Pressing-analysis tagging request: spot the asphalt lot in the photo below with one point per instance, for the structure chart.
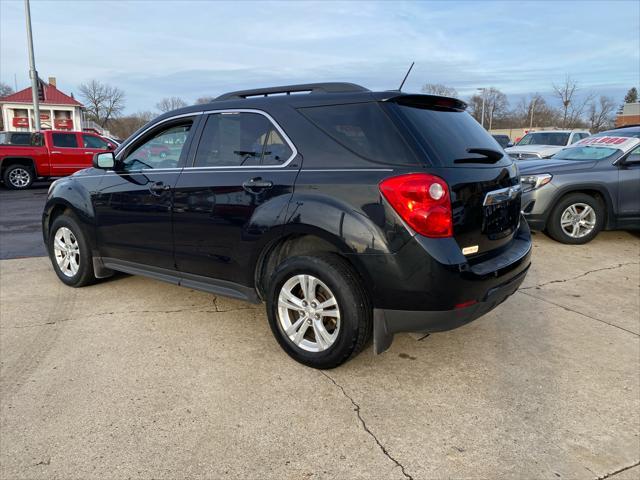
(133, 378)
(20, 221)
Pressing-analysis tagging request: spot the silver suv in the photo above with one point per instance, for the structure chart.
(545, 143)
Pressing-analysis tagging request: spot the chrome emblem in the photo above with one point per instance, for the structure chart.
(502, 195)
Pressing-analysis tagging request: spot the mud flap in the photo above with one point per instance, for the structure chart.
(382, 338)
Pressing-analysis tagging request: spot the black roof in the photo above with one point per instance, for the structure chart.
(312, 94)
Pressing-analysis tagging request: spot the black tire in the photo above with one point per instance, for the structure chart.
(554, 226)
(18, 177)
(352, 302)
(84, 275)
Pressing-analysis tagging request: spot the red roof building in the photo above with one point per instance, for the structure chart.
(58, 110)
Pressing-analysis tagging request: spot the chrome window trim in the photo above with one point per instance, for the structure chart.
(280, 130)
(286, 138)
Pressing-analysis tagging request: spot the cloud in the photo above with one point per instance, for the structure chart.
(190, 49)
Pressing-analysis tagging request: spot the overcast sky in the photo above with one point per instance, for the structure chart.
(156, 49)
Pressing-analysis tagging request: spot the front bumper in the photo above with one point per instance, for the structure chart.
(388, 322)
(537, 204)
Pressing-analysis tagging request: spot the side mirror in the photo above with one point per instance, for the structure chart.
(110, 147)
(510, 144)
(104, 160)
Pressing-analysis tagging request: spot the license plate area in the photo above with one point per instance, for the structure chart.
(501, 219)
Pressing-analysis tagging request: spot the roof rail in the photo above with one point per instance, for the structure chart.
(329, 87)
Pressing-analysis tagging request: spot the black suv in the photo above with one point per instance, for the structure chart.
(351, 213)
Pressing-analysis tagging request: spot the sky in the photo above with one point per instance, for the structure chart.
(155, 49)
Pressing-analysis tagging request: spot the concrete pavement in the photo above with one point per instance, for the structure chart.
(133, 378)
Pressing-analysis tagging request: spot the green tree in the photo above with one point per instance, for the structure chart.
(631, 96)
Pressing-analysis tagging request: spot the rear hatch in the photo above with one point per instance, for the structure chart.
(483, 180)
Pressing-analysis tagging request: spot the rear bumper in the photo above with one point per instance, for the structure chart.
(388, 322)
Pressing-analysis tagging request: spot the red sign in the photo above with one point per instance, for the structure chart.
(63, 123)
(44, 116)
(20, 122)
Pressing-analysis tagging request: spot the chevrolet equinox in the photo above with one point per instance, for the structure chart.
(352, 214)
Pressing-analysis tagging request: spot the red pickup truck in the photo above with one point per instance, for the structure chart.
(26, 156)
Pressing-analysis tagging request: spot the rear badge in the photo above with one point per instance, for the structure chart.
(470, 250)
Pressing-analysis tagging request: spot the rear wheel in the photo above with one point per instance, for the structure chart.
(18, 177)
(576, 219)
(70, 252)
(318, 310)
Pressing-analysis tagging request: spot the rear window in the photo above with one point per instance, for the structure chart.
(447, 135)
(363, 128)
(545, 138)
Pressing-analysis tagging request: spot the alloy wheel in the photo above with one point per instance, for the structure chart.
(578, 220)
(19, 177)
(66, 251)
(308, 313)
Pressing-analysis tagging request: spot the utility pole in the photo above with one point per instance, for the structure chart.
(32, 67)
(533, 107)
(483, 100)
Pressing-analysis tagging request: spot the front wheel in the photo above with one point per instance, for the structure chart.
(70, 252)
(576, 219)
(318, 310)
(18, 177)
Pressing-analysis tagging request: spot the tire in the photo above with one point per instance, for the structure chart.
(67, 227)
(348, 330)
(570, 209)
(18, 177)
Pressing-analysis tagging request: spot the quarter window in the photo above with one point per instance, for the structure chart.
(94, 142)
(161, 150)
(364, 129)
(240, 139)
(65, 140)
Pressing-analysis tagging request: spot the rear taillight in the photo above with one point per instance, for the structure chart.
(422, 201)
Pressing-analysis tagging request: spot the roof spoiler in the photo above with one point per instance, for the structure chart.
(428, 101)
(329, 87)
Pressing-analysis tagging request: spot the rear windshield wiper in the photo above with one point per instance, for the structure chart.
(488, 156)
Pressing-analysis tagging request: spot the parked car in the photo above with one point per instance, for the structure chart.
(351, 213)
(590, 186)
(503, 140)
(46, 154)
(544, 144)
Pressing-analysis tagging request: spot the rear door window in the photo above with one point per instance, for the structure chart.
(94, 142)
(241, 139)
(65, 140)
(363, 128)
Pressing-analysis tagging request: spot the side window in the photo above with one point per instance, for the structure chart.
(363, 128)
(160, 150)
(634, 156)
(93, 142)
(65, 140)
(240, 139)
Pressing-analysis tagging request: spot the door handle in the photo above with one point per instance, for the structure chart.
(88, 153)
(55, 151)
(159, 187)
(256, 183)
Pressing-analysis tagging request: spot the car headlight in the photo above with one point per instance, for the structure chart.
(531, 182)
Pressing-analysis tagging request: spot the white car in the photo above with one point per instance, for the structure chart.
(544, 144)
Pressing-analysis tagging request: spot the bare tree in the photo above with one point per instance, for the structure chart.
(474, 107)
(170, 103)
(572, 106)
(122, 127)
(535, 111)
(204, 100)
(439, 89)
(103, 101)
(600, 113)
(5, 89)
(496, 104)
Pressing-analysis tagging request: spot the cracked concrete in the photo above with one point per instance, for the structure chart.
(132, 378)
(366, 429)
